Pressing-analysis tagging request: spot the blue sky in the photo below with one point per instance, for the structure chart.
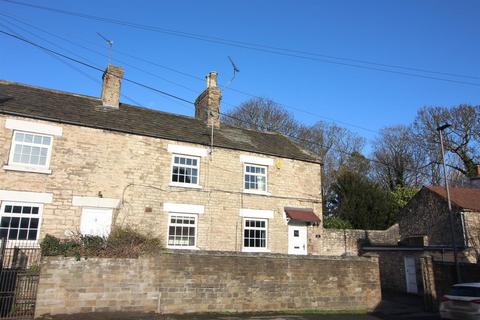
(430, 34)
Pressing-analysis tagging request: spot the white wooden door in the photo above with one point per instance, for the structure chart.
(410, 274)
(96, 222)
(297, 239)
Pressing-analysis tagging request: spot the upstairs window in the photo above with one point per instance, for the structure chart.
(255, 178)
(30, 150)
(20, 221)
(185, 170)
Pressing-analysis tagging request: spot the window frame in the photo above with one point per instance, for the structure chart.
(255, 249)
(28, 166)
(169, 224)
(185, 184)
(255, 191)
(23, 204)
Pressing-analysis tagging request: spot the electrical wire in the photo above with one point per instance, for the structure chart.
(263, 48)
(91, 50)
(187, 75)
(182, 73)
(192, 103)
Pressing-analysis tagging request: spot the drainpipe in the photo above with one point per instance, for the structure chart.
(464, 231)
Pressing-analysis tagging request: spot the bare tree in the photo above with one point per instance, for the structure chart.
(333, 144)
(462, 140)
(398, 160)
(263, 115)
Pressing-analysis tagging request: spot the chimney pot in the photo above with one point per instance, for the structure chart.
(112, 79)
(212, 79)
(207, 105)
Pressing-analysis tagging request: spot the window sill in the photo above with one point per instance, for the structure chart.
(261, 193)
(259, 250)
(26, 169)
(185, 185)
(182, 247)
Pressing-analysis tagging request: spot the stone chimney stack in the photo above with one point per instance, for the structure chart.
(475, 181)
(112, 79)
(207, 105)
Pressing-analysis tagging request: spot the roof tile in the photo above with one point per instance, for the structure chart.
(40, 103)
(466, 198)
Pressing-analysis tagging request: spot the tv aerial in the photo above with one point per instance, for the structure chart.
(109, 44)
(235, 71)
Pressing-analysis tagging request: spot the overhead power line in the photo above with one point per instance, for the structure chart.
(248, 94)
(95, 68)
(360, 64)
(187, 101)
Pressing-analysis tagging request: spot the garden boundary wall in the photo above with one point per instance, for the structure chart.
(191, 282)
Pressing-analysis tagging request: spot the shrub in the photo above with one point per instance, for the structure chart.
(121, 243)
(336, 223)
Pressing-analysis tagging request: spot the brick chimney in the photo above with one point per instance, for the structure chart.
(475, 181)
(207, 105)
(112, 79)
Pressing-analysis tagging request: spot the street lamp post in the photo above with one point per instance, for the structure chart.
(440, 130)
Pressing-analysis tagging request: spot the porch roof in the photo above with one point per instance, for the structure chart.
(300, 214)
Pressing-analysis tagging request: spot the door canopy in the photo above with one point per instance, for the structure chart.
(302, 215)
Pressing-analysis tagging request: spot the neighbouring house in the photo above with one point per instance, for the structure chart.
(425, 230)
(426, 215)
(74, 163)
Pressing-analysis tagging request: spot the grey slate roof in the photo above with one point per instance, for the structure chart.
(63, 107)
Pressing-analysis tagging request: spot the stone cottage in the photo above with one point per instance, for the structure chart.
(425, 230)
(426, 216)
(74, 163)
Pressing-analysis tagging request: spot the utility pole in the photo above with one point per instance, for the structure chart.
(440, 130)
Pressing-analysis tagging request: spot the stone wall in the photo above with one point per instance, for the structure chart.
(392, 264)
(392, 269)
(136, 171)
(336, 242)
(472, 233)
(445, 275)
(427, 214)
(187, 282)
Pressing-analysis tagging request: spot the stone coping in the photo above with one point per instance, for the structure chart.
(240, 255)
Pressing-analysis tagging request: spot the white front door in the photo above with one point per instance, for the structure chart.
(410, 274)
(297, 239)
(96, 222)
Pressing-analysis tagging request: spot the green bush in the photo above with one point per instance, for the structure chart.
(336, 223)
(121, 243)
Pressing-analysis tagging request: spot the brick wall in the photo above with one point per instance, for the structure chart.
(185, 282)
(336, 242)
(137, 170)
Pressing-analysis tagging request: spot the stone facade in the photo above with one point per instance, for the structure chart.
(336, 242)
(188, 282)
(427, 214)
(134, 172)
(472, 235)
(112, 79)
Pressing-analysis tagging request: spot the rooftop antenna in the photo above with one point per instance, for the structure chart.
(235, 71)
(110, 44)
